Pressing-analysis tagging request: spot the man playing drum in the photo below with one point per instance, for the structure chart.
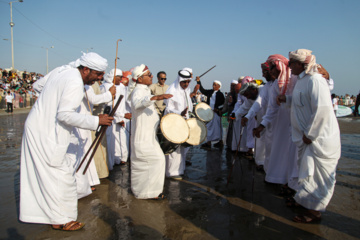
(181, 104)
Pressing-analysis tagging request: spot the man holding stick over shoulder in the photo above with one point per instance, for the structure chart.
(47, 183)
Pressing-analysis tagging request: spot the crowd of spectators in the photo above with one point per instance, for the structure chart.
(19, 83)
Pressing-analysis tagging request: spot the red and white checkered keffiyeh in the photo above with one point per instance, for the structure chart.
(281, 64)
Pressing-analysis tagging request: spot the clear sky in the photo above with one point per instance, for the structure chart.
(168, 35)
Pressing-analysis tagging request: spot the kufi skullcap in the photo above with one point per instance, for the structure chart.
(240, 78)
(218, 82)
(234, 82)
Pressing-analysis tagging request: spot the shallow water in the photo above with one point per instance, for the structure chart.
(202, 206)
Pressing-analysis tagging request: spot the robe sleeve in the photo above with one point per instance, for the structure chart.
(38, 85)
(273, 107)
(171, 107)
(69, 102)
(96, 99)
(258, 104)
(120, 112)
(141, 100)
(321, 108)
(238, 103)
(244, 108)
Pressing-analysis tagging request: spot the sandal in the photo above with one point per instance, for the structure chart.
(93, 189)
(290, 202)
(308, 217)
(285, 191)
(260, 168)
(70, 226)
(159, 198)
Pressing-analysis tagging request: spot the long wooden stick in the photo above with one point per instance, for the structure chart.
(207, 71)
(117, 47)
(102, 132)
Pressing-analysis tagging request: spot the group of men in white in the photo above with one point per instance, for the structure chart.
(292, 127)
(297, 135)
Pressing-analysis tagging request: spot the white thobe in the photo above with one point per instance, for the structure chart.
(258, 109)
(113, 131)
(47, 184)
(80, 142)
(214, 127)
(124, 132)
(242, 111)
(175, 161)
(147, 158)
(312, 115)
(279, 166)
(239, 132)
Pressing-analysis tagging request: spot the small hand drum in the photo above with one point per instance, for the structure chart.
(198, 132)
(173, 131)
(204, 112)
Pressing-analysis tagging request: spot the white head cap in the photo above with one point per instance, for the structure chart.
(218, 82)
(110, 76)
(139, 71)
(93, 61)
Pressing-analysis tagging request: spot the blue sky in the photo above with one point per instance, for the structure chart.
(237, 36)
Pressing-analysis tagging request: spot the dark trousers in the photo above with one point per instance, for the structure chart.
(9, 106)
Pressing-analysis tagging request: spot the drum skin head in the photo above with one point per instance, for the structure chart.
(198, 131)
(174, 128)
(204, 112)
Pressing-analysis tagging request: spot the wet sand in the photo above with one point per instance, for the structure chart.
(201, 206)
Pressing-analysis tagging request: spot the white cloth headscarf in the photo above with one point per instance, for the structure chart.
(93, 61)
(305, 56)
(138, 71)
(188, 69)
(109, 78)
(175, 89)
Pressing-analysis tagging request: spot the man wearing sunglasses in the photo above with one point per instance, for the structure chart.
(159, 88)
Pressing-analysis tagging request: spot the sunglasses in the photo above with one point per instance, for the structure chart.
(149, 75)
(162, 78)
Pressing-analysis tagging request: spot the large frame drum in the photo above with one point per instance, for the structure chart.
(204, 112)
(198, 132)
(173, 131)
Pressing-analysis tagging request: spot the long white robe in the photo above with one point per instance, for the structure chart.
(312, 115)
(113, 131)
(81, 141)
(258, 109)
(214, 127)
(47, 183)
(124, 132)
(242, 111)
(147, 158)
(239, 132)
(175, 161)
(281, 159)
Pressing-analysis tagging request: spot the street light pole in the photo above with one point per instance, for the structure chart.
(12, 24)
(47, 59)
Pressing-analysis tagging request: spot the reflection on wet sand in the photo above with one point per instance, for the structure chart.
(199, 207)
